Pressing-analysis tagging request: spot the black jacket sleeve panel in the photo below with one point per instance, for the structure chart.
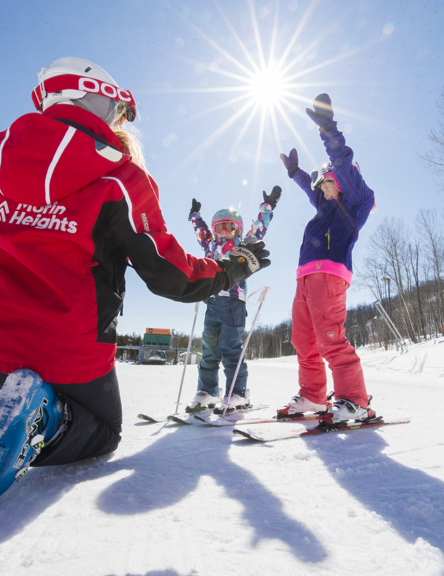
(161, 276)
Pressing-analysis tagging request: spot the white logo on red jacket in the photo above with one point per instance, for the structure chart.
(43, 218)
(145, 222)
(4, 210)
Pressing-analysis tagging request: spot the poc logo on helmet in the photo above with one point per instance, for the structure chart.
(96, 87)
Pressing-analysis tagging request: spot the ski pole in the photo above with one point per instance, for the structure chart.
(196, 309)
(260, 301)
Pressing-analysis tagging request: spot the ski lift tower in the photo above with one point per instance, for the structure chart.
(387, 283)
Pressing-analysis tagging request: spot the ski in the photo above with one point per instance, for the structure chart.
(230, 418)
(150, 419)
(181, 418)
(259, 435)
(239, 419)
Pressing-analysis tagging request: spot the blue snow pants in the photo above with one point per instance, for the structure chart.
(221, 340)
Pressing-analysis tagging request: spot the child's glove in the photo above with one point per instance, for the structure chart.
(244, 260)
(274, 197)
(323, 112)
(195, 207)
(291, 162)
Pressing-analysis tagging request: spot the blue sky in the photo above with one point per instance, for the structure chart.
(185, 63)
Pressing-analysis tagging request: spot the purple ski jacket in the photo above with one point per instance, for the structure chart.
(331, 234)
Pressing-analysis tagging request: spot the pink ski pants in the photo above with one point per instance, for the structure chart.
(319, 313)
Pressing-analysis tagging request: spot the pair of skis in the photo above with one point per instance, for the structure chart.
(207, 417)
(258, 429)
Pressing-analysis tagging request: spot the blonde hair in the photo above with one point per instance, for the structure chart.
(131, 141)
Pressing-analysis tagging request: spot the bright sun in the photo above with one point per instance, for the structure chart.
(267, 87)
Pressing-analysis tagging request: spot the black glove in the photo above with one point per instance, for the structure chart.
(291, 162)
(245, 260)
(195, 207)
(323, 112)
(273, 199)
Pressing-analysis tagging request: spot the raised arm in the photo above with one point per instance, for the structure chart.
(302, 179)
(260, 226)
(340, 155)
(200, 227)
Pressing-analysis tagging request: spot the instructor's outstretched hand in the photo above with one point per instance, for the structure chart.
(244, 260)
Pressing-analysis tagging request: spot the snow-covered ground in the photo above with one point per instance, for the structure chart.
(182, 501)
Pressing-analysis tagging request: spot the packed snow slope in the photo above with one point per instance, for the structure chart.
(182, 501)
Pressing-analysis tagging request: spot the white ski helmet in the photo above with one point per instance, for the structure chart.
(72, 79)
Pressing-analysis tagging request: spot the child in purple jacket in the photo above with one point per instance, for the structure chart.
(343, 202)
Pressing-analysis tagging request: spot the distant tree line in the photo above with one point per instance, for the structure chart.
(270, 341)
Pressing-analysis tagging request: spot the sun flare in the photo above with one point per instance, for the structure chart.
(267, 88)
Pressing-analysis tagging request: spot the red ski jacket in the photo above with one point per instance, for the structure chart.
(73, 209)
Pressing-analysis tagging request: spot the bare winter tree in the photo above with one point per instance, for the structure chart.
(389, 253)
(415, 258)
(429, 226)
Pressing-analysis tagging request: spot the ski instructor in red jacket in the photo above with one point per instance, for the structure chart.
(75, 209)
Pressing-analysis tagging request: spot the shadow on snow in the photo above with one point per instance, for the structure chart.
(171, 468)
(162, 475)
(410, 500)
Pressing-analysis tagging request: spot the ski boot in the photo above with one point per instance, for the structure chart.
(343, 410)
(32, 417)
(236, 404)
(300, 405)
(201, 402)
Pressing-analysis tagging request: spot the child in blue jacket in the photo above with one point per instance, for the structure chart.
(343, 202)
(226, 312)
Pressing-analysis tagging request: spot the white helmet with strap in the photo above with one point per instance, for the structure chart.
(70, 79)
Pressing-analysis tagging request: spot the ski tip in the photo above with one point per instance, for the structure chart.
(182, 420)
(243, 433)
(147, 419)
(200, 418)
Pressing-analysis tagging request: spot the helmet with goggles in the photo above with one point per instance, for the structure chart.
(227, 223)
(327, 173)
(322, 174)
(74, 79)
